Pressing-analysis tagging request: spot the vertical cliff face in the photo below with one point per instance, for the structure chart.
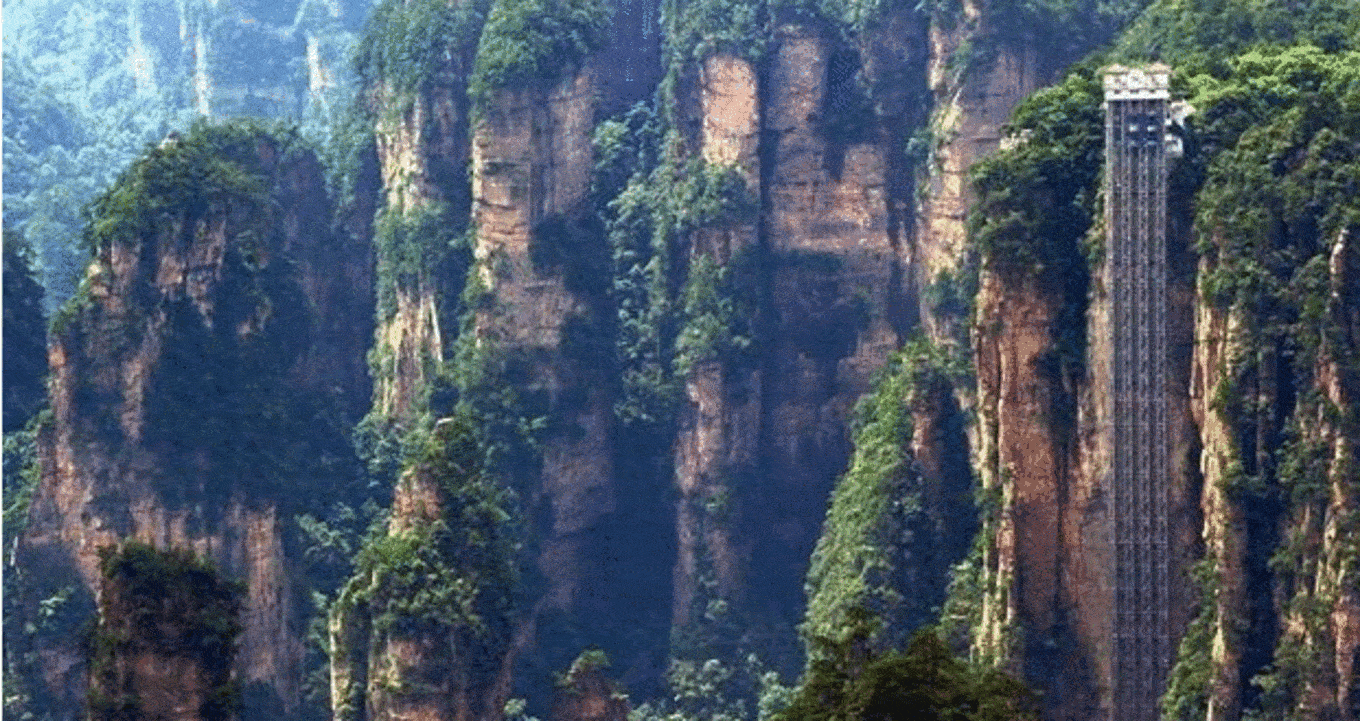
(715, 448)
(838, 232)
(972, 99)
(1273, 396)
(1224, 529)
(1011, 332)
(1338, 379)
(200, 331)
(536, 327)
(422, 149)
(1043, 353)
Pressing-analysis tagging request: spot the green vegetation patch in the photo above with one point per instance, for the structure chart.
(528, 41)
(458, 573)
(674, 312)
(1202, 34)
(406, 43)
(1037, 200)
(879, 533)
(1275, 131)
(1036, 203)
(923, 682)
(410, 245)
(212, 164)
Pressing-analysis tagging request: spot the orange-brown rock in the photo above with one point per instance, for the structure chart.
(716, 442)
(532, 161)
(422, 152)
(837, 228)
(154, 436)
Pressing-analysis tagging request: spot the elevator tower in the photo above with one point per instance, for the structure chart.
(1136, 150)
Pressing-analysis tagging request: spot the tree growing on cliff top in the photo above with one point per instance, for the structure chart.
(848, 682)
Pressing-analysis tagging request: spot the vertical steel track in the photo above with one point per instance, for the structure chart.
(1136, 182)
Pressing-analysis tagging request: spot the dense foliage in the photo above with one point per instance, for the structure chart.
(1281, 174)
(54, 163)
(1203, 34)
(25, 335)
(535, 40)
(454, 577)
(849, 682)
(1036, 200)
(413, 246)
(673, 313)
(890, 535)
(405, 45)
(213, 164)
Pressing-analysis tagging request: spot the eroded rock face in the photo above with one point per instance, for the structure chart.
(1042, 442)
(1224, 534)
(716, 442)
(1313, 607)
(164, 641)
(842, 299)
(205, 336)
(972, 100)
(532, 161)
(422, 154)
(1340, 382)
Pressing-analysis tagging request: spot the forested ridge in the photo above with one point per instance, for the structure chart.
(692, 360)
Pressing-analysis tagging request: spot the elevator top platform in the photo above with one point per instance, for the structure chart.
(1152, 82)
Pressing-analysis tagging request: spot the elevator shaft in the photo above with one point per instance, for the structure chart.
(1136, 105)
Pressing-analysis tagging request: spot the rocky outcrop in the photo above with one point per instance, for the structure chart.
(972, 99)
(422, 152)
(1223, 534)
(164, 641)
(422, 629)
(1338, 377)
(1309, 622)
(181, 384)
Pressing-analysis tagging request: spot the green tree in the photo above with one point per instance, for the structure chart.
(847, 682)
(25, 335)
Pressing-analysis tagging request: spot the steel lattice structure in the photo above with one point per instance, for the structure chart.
(1136, 105)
